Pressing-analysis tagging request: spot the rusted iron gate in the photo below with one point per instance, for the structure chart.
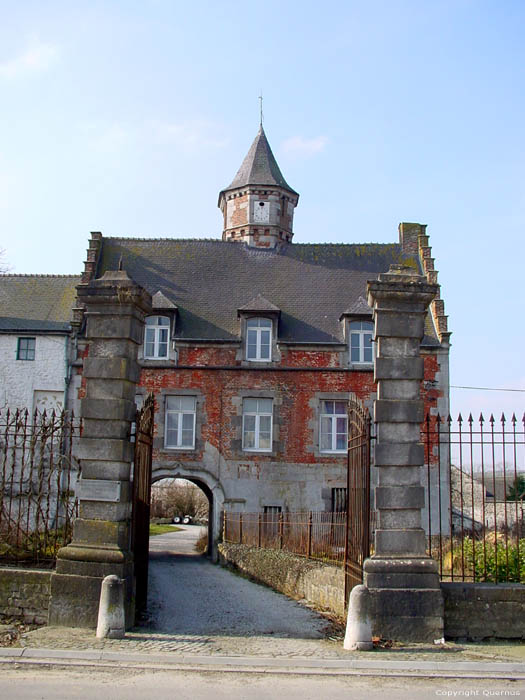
(142, 499)
(38, 477)
(357, 544)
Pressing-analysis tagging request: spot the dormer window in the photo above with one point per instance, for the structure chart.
(361, 333)
(259, 339)
(157, 338)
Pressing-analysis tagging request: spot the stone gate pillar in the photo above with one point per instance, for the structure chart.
(115, 310)
(406, 599)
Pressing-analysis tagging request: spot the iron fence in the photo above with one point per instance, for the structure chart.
(38, 475)
(313, 535)
(475, 492)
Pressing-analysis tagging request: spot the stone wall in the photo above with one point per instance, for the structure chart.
(473, 611)
(320, 584)
(484, 610)
(24, 594)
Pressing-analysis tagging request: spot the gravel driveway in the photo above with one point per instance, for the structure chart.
(190, 595)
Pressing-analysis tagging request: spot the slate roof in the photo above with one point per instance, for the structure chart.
(259, 167)
(209, 280)
(36, 303)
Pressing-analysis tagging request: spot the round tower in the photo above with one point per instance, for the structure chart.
(259, 204)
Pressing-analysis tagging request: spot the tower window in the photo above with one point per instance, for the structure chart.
(259, 339)
(156, 337)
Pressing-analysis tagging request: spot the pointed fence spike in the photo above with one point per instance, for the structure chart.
(481, 419)
(502, 419)
(513, 419)
(491, 419)
(470, 419)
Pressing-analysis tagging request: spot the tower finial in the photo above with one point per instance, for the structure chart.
(261, 100)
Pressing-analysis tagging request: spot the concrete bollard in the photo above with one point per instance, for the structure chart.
(359, 627)
(111, 621)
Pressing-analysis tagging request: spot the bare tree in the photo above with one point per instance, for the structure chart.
(170, 497)
(4, 267)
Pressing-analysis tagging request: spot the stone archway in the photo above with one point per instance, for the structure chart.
(211, 488)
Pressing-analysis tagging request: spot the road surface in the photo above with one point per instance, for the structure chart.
(190, 595)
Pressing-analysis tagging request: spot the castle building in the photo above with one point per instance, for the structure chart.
(256, 342)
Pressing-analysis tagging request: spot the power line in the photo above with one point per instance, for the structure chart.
(485, 388)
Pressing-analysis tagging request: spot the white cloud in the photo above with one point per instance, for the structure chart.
(36, 58)
(190, 135)
(297, 145)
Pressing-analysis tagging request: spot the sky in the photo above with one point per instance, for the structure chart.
(128, 117)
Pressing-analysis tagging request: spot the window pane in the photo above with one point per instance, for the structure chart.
(265, 323)
(187, 421)
(340, 443)
(264, 405)
(173, 403)
(328, 406)
(250, 406)
(326, 441)
(354, 355)
(187, 403)
(252, 323)
(367, 355)
(172, 421)
(163, 321)
(265, 352)
(249, 423)
(251, 352)
(341, 425)
(265, 424)
(340, 407)
(163, 350)
(171, 438)
(187, 438)
(265, 441)
(355, 340)
(249, 440)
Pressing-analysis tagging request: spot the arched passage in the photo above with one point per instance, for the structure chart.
(212, 490)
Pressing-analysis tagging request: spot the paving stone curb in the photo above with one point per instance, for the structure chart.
(249, 664)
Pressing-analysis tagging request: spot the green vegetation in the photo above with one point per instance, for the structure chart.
(516, 491)
(486, 560)
(162, 529)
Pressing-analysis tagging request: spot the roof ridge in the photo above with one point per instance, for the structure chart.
(219, 240)
(27, 274)
(160, 238)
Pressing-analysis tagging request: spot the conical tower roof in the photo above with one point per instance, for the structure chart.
(259, 167)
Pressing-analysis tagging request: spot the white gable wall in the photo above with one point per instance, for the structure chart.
(37, 383)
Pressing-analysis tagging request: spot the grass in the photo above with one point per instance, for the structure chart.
(162, 529)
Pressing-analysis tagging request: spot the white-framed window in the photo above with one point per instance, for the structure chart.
(157, 337)
(361, 333)
(257, 415)
(259, 339)
(179, 431)
(334, 426)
